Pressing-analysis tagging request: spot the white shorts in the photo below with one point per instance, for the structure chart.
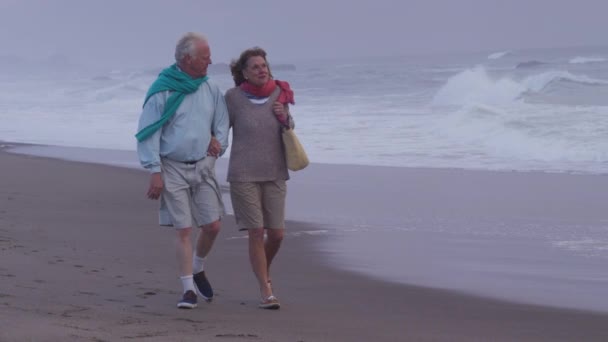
(191, 196)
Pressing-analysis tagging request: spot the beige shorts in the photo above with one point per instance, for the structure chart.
(259, 204)
(191, 196)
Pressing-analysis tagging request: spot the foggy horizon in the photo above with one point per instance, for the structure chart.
(114, 33)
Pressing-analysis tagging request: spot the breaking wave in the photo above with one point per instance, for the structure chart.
(477, 86)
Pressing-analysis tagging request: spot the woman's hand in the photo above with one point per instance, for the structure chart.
(280, 111)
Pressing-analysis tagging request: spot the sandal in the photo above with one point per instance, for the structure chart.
(270, 303)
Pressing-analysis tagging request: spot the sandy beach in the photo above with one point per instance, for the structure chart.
(84, 260)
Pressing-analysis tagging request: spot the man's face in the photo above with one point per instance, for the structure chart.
(196, 65)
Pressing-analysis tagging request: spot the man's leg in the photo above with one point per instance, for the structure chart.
(184, 251)
(208, 207)
(176, 198)
(184, 261)
(206, 238)
(204, 242)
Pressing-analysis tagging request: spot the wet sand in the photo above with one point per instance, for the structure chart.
(83, 260)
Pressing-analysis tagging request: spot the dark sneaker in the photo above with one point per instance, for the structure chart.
(202, 286)
(188, 300)
(270, 303)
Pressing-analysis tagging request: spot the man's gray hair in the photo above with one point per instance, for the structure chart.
(185, 45)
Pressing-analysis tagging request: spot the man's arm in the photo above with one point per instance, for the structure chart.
(148, 150)
(221, 122)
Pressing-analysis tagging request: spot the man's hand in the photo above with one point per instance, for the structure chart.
(214, 148)
(279, 110)
(156, 186)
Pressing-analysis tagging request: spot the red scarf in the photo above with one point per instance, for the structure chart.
(285, 97)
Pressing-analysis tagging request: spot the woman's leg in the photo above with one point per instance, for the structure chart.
(272, 245)
(257, 257)
(273, 208)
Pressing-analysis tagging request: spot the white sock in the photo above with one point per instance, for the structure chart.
(197, 264)
(187, 283)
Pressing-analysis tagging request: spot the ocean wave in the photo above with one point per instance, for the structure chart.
(532, 135)
(475, 86)
(498, 55)
(529, 64)
(585, 60)
(539, 82)
(585, 245)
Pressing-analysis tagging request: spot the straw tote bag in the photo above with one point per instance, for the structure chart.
(294, 151)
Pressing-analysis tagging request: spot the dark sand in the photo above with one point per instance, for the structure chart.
(83, 260)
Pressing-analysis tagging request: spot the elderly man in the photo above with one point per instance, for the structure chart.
(182, 130)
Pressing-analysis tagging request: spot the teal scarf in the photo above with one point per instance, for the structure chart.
(181, 84)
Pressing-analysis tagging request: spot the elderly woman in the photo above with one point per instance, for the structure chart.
(258, 108)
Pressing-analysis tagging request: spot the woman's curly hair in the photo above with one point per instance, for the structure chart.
(238, 65)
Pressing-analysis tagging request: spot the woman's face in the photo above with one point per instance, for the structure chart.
(256, 71)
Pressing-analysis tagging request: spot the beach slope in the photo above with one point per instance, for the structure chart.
(83, 260)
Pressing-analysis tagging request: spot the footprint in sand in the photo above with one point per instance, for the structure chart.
(237, 335)
(75, 310)
(115, 300)
(189, 320)
(56, 261)
(146, 294)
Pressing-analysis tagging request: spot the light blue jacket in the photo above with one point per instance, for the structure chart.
(186, 136)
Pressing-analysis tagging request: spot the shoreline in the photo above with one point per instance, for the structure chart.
(81, 263)
(59, 151)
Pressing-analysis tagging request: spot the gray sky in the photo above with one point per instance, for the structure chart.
(144, 32)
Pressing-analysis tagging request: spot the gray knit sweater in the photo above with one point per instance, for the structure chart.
(256, 153)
